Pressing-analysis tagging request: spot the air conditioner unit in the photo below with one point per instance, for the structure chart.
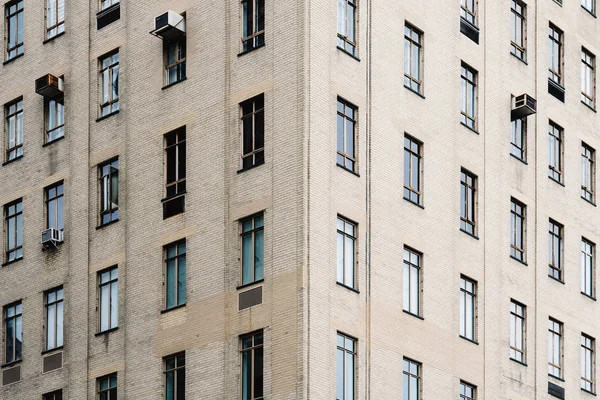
(169, 25)
(49, 86)
(523, 106)
(52, 238)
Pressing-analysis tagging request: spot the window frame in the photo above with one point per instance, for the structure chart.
(177, 258)
(347, 39)
(468, 293)
(180, 63)
(16, 116)
(17, 318)
(555, 153)
(410, 44)
(518, 150)
(59, 24)
(518, 316)
(110, 302)
(18, 47)
(176, 371)
(556, 54)
(110, 389)
(17, 215)
(342, 276)
(408, 376)
(411, 267)
(343, 157)
(588, 268)
(53, 203)
(468, 194)
(112, 105)
(588, 74)
(253, 234)
(257, 154)
(588, 363)
(413, 153)
(591, 8)
(59, 115)
(469, 83)
(588, 173)
(253, 350)
(464, 386)
(251, 19)
(555, 250)
(518, 11)
(108, 210)
(346, 352)
(518, 213)
(555, 333)
(53, 324)
(180, 143)
(54, 395)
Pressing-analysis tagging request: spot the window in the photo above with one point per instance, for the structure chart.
(175, 57)
(56, 395)
(108, 293)
(346, 135)
(253, 131)
(14, 28)
(175, 173)
(555, 348)
(411, 379)
(518, 138)
(104, 4)
(468, 11)
(555, 250)
(468, 198)
(109, 84)
(588, 78)
(13, 332)
(555, 56)
(518, 28)
(517, 230)
(467, 391)
(55, 18)
(346, 252)
(555, 152)
(253, 24)
(587, 267)
(13, 215)
(589, 6)
(54, 318)
(175, 377)
(413, 57)
(346, 37)
(252, 366)
(587, 363)
(107, 387)
(468, 114)
(175, 274)
(588, 172)
(253, 248)
(14, 129)
(468, 308)
(55, 207)
(346, 367)
(55, 118)
(109, 191)
(412, 281)
(412, 169)
(517, 331)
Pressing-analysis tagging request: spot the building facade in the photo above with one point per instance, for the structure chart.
(262, 199)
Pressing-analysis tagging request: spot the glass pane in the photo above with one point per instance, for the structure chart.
(414, 301)
(180, 384)
(171, 283)
(247, 266)
(349, 138)
(170, 386)
(349, 262)
(114, 304)
(59, 324)
(340, 374)
(349, 376)
(50, 333)
(340, 258)
(104, 309)
(181, 282)
(246, 375)
(258, 372)
(258, 255)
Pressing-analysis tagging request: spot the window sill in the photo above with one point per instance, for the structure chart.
(518, 362)
(172, 308)
(414, 315)
(414, 203)
(560, 4)
(107, 115)
(239, 171)
(556, 377)
(13, 160)
(521, 261)
(348, 287)
(555, 279)
(52, 350)
(591, 108)
(11, 364)
(470, 234)
(245, 285)
(518, 58)
(557, 181)
(588, 392)
(106, 332)
(588, 201)
(173, 196)
(174, 83)
(13, 59)
(469, 340)
(53, 37)
(593, 15)
(415, 92)
(114, 221)
(11, 262)
(469, 128)
(244, 52)
(53, 141)
(347, 52)
(520, 159)
(347, 169)
(588, 296)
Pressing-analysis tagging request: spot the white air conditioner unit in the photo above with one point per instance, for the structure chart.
(523, 106)
(169, 25)
(52, 237)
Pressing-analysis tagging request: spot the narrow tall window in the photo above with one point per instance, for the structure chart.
(555, 233)
(251, 349)
(104, 4)
(253, 131)
(555, 56)
(175, 377)
(54, 110)
(346, 252)
(14, 28)
(468, 199)
(54, 318)
(412, 281)
(109, 191)
(253, 24)
(175, 173)
(411, 379)
(13, 332)
(413, 57)
(56, 395)
(55, 18)
(107, 387)
(13, 215)
(518, 28)
(109, 84)
(14, 129)
(346, 367)
(346, 29)
(518, 138)
(108, 294)
(555, 152)
(588, 78)
(588, 172)
(589, 5)
(468, 86)
(517, 230)
(346, 135)
(55, 206)
(588, 363)
(587, 267)
(253, 249)
(517, 331)
(412, 169)
(175, 274)
(555, 348)
(467, 391)
(468, 11)
(468, 308)
(175, 60)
